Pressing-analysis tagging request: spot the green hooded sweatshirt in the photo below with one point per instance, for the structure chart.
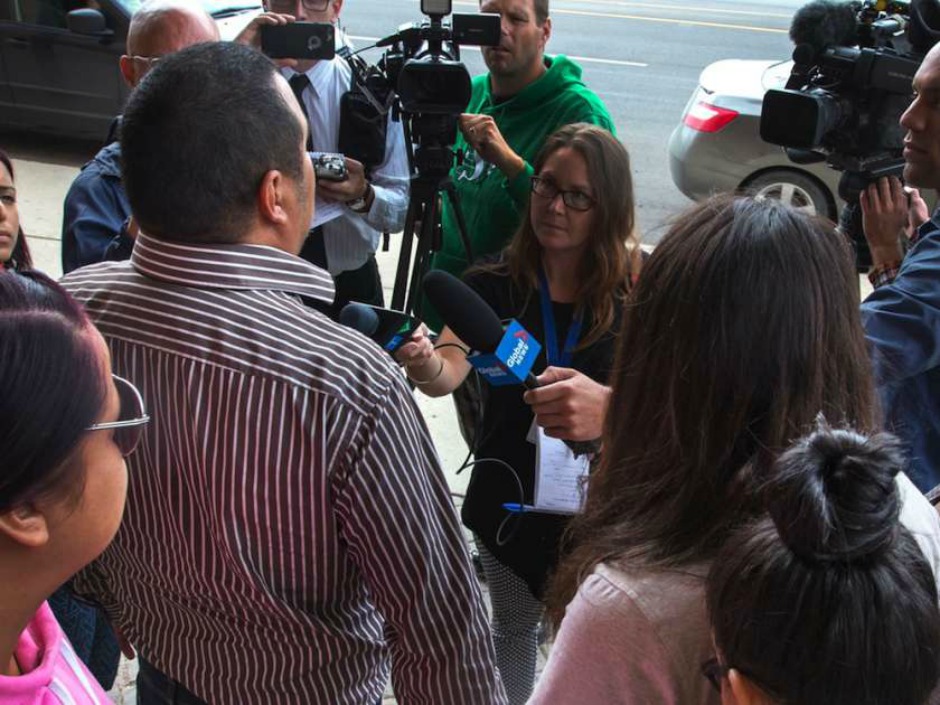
(493, 206)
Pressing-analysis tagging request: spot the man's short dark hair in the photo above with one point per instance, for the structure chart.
(198, 136)
(541, 11)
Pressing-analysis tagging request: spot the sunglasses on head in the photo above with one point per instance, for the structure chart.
(132, 417)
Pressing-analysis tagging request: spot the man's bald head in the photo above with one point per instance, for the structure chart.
(160, 28)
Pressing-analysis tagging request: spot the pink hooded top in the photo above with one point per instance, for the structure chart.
(51, 672)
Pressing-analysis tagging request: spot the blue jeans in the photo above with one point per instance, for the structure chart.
(157, 688)
(88, 629)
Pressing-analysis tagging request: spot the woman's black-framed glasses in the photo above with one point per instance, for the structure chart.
(287, 7)
(575, 200)
(715, 671)
(132, 417)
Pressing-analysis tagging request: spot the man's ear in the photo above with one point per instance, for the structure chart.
(25, 525)
(127, 70)
(744, 691)
(271, 197)
(546, 31)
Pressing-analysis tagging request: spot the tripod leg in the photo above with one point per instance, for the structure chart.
(451, 190)
(423, 256)
(400, 290)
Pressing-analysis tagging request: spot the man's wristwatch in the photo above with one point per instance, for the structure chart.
(361, 204)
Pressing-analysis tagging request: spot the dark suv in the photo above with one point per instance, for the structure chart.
(59, 61)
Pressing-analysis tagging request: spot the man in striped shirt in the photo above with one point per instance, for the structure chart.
(289, 536)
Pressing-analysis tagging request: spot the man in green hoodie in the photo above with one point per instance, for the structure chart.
(514, 108)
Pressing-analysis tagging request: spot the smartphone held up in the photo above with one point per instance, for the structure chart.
(299, 40)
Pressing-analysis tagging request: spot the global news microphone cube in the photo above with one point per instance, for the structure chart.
(513, 360)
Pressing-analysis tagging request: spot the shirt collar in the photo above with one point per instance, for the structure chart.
(244, 267)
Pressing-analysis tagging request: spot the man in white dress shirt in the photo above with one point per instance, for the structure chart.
(374, 199)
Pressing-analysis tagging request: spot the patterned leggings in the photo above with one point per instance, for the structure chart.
(516, 617)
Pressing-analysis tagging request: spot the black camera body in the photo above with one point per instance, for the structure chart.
(421, 79)
(424, 61)
(853, 68)
(432, 84)
(843, 100)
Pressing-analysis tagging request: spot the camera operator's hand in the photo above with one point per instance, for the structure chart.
(355, 186)
(251, 35)
(887, 215)
(484, 137)
(569, 405)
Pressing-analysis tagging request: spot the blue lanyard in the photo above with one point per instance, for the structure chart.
(551, 333)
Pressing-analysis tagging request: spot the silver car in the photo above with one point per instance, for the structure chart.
(717, 145)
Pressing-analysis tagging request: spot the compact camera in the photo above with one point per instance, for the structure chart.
(329, 167)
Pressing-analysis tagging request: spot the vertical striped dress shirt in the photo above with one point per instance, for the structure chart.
(289, 536)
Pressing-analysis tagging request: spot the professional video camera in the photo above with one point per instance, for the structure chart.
(422, 77)
(854, 64)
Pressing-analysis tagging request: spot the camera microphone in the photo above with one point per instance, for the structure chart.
(505, 355)
(824, 23)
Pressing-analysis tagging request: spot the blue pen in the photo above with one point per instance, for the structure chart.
(516, 508)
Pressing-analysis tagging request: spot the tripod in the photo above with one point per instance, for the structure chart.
(430, 183)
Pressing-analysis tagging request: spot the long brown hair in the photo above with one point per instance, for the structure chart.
(20, 257)
(613, 252)
(743, 328)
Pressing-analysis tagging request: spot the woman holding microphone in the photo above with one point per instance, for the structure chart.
(564, 276)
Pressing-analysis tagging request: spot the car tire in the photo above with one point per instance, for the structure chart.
(797, 190)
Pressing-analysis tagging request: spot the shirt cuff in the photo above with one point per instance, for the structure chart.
(388, 210)
(520, 186)
(883, 274)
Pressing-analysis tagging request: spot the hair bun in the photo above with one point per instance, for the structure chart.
(832, 496)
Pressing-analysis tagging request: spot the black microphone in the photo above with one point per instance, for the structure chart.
(823, 23)
(475, 323)
(390, 329)
(467, 314)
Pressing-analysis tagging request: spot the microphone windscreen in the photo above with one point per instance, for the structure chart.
(360, 317)
(824, 23)
(463, 311)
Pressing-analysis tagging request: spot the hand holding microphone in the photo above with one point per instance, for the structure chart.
(503, 356)
(569, 405)
(422, 364)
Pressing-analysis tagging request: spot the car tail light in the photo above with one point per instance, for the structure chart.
(706, 117)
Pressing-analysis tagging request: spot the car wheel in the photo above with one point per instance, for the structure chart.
(796, 190)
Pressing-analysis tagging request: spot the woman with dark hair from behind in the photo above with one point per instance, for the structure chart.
(828, 600)
(14, 252)
(66, 425)
(744, 327)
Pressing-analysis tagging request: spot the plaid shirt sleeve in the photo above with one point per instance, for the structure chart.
(884, 274)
